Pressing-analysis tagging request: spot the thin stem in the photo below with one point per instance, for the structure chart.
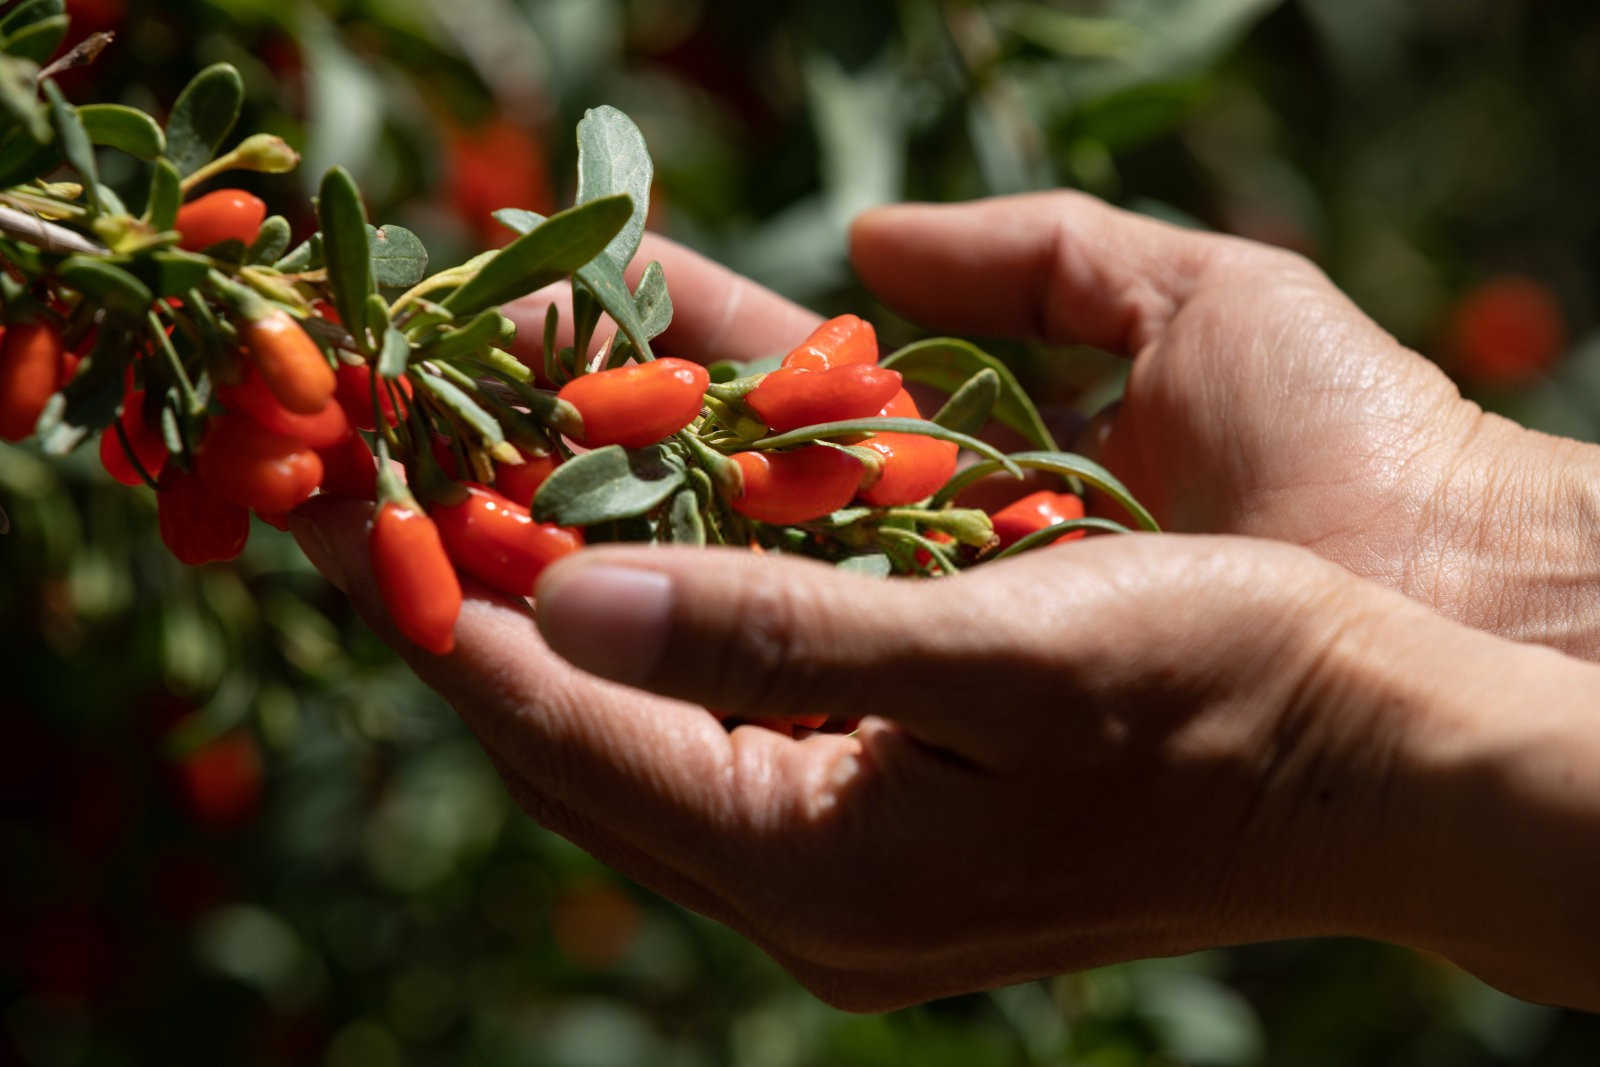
(185, 386)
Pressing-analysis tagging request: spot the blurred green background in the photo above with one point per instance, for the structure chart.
(238, 831)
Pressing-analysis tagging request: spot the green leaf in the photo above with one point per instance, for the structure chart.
(74, 141)
(399, 259)
(1066, 464)
(653, 301)
(106, 283)
(307, 255)
(125, 128)
(969, 409)
(947, 363)
(608, 484)
(272, 240)
(19, 97)
(613, 159)
(204, 113)
(463, 407)
(850, 427)
(166, 196)
(1051, 534)
(23, 159)
(30, 11)
(549, 252)
(37, 42)
(684, 525)
(488, 329)
(395, 356)
(873, 565)
(174, 272)
(602, 278)
(346, 252)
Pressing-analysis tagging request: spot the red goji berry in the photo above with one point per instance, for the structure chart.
(638, 405)
(415, 579)
(839, 342)
(294, 367)
(1506, 331)
(914, 465)
(149, 447)
(197, 525)
(1036, 511)
(30, 373)
(789, 399)
(225, 215)
(244, 462)
(499, 543)
(353, 389)
(221, 780)
(519, 483)
(253, 397)
(349, 470)
(797, 486)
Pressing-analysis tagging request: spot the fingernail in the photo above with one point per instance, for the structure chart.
(608, 620)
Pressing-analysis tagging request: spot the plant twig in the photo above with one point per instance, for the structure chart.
(47, 236)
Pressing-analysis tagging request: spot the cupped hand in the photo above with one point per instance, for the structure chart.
(1262, 402)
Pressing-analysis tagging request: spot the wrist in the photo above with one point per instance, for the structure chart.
(1482, 844)
(1527, 564)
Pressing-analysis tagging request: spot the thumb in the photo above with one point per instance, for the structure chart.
(756, 636)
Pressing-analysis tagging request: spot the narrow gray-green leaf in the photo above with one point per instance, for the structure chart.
(345, 251)
(947, 363)
(272, 240)
(307, 255)
(684, 525)
(37, 42)
(487, 329)
(399, 259)
(107, 283)
(602, 278)
(463, 407)
(395, 356)
(19, 97)
(124, 128)
(969, 409)
(608, 484)
(873, 565)
(1066, 464)
(202, 116)
(1051, 534)
(547, 253)
(613, 159)
(173, 272)
(28, 12)
(166, 196)
(74, 141)
(653, 301)
(851, 427)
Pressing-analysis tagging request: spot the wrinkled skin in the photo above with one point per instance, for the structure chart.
(1115, 748)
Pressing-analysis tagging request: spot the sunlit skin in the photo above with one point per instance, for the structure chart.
(1301, 716)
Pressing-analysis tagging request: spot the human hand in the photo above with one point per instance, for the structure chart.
(1119, 748)
(1262, 402)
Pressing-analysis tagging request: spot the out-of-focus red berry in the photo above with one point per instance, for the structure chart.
(220, 781)
(495, 165)
(1506, 332)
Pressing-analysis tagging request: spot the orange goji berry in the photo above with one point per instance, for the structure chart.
(519, 483)
(353, 389)
(149, 447)
(839, 342)
(255, 398)
(499, 543)
(638, 405)
(290, 361)
(225, 215)
(415, 579)
(197, 525)
(806, 483)
(255, 468)
(30, 373)
(789, 399)
(1036, 511)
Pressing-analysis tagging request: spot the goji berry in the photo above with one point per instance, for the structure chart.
(1506, 331)
(225, 215)
(353, 389)
(30, 373)
(839, 342)
(914, 465)
(415, 579)
(787, 487)
(519, 483)
(924, 557)
(244, 462)
(789, 399)
(221, 780)
(197, 525)
(294, 367)
(253, 397)
(499, 543)
(149, 447)
(638, 405)
(349, 470)
(498, 163)
(1036, 511)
